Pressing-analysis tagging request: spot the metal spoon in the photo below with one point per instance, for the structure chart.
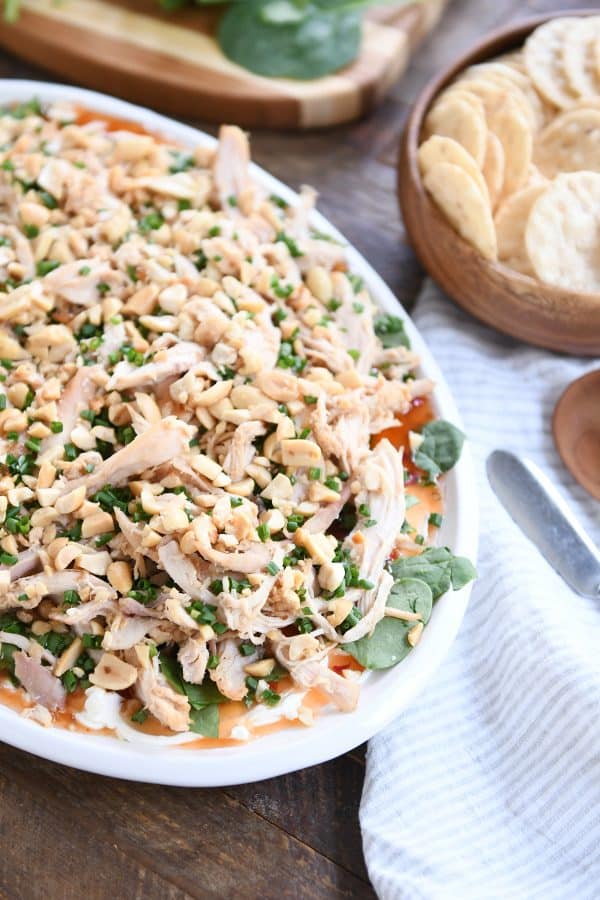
(576, 430)
(542, 514)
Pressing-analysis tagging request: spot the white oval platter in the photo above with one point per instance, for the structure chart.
(384, 694)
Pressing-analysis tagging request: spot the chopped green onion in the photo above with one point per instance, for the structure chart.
(71, 598)
(44, 266)
(8, 559)
(271, 698)
(71, 452)
(264, 532)
(48, 200)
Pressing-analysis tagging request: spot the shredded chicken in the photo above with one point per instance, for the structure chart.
(76, 397)
(229, 675)
(179, 358)
(192, 379)
(168, 705)
(39, 681)
(157, 445)
(193, 656)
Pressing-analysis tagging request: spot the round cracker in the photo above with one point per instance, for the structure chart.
(513, 131)
(439, 148)
(543, 60)
(493, 168)
(578, 56)
(461, 120)
(505, 117)
(563, 233)
(514, 82)
(455, 90)
(513, 60)
(458, 196)
(510, 221)
(493, 94)
(570, 143)
(534, 175)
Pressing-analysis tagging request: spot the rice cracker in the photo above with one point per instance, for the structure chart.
(511, 220)
(506, 116)
(463, 121)
(570, 143)
(459, 197)
(544, 62)
(579, 58)
(563, 233)
(439, 148)
(493, 168)
(514, 82)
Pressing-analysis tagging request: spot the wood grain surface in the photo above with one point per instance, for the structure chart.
(172, 61)
(66, 834)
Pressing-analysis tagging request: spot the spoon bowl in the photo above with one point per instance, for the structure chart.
(576, 431)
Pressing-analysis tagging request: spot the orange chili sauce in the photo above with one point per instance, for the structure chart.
(64, 718)
(113, 123)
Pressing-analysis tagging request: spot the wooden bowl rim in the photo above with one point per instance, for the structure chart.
(493, 43)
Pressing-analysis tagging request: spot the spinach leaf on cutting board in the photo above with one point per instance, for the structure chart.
(285, 39)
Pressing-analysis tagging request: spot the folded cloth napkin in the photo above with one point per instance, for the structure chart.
(489, 786)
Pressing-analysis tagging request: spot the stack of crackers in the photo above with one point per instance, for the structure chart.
(512, 155)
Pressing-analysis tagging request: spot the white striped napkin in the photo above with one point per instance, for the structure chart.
(489, 786)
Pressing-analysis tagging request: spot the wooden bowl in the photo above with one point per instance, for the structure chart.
(513, 303)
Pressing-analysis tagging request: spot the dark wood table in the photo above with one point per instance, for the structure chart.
(66, 834)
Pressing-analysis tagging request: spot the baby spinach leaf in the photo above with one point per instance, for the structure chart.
(441, 447)
(171, 669)
(462, 571)
(199, 695)
(7, 663)
(205, 721)
(205, 694)
(438, 568)
(280, 12)
(389, 644)
(390, 331)
(289, 40)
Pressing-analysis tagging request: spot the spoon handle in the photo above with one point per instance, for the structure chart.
(542, 514)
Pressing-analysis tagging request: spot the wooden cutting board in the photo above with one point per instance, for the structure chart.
(132, 49)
